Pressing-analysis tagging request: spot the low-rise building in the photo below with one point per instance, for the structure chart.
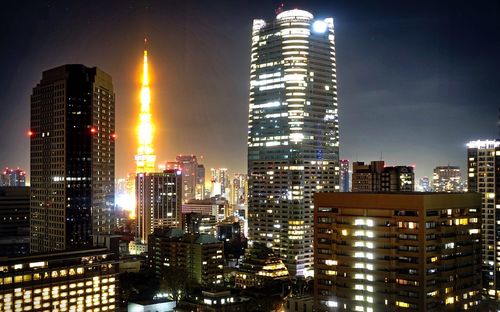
(83, 280)
(259, 268)
(152, 306)
(304, 303)
(199, 255)
(14, 221)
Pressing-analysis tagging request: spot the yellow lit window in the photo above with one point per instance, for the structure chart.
(402, 304)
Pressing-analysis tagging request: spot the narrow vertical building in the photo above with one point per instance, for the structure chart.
(189, 168)
(397, 252)
(72, 157)
(159, 202)
(293, 134)
(483, 159)
(344, 175)
(200, 182)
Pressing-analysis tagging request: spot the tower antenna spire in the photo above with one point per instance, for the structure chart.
(145, 157)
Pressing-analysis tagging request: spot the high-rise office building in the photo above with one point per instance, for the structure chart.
(14, 221)
(293, 134)
(366, 177)
(159, 202)
(220, 182)
(376, 177)
(200, 182)
(447, 179)
(13, 177)
(189, 168)
(484, 177)
(344, 175)
(72, 157)
(397, 252)
(239, 189)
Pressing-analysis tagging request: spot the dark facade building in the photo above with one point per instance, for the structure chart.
(226, 231)
(484, 177)
(293, 137)
(230, 232)
(397, 252)
(376, 177)
(83, 280)
(189, 168)
(200, 256)
(397, 179)
(366, 177)
(72, 157)
(14, 221)
(197, 223)
(159, 202)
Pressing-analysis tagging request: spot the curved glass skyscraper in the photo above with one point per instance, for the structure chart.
(293, 134)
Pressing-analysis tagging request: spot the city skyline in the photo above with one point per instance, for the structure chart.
(436, 62)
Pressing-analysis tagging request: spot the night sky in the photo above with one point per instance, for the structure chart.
(416, 79)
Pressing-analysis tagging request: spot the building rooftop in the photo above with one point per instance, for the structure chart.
(389, 200)
(206, 239)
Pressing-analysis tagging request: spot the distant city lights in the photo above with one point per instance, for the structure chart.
(126, 202)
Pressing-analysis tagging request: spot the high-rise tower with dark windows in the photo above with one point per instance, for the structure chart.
(72, 157)
(293, 134)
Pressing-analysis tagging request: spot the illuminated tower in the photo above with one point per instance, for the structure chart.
(145, 159)
(72, 157)
(293, 135)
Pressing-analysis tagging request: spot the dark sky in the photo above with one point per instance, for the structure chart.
(417, 79)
